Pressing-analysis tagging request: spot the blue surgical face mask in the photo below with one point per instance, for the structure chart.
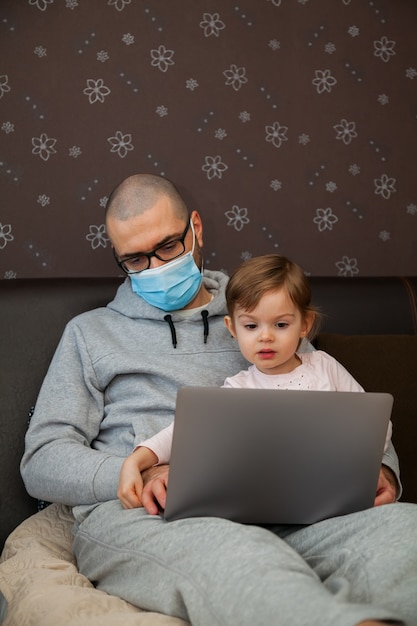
(171, 286)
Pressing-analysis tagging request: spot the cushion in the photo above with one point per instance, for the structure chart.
(385, 363)
(40, 584)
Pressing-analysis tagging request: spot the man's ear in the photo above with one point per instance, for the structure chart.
(229, 325)
(198, 227)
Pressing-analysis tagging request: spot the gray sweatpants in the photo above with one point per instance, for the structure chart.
(213, 571)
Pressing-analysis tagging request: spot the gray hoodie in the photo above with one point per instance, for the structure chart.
(113, 381)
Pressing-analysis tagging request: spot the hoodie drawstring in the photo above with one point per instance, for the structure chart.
(204, 315)
(168, 319)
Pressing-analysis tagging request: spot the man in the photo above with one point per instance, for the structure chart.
(113, 383)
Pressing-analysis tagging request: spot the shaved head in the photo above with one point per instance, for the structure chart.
(140, 192)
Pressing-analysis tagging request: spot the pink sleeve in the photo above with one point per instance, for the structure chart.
(160, 444)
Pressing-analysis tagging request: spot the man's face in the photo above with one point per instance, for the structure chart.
(152, 229)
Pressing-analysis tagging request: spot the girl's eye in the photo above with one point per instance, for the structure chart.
(250, 326)
(282, 324)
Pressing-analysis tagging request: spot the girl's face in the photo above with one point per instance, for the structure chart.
(269, 335)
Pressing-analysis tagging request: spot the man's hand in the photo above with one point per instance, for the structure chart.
(386, 491)
(155, 483)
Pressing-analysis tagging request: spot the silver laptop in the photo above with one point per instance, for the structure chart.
(275, 457)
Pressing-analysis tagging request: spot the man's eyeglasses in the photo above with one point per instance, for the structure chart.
(166, 252)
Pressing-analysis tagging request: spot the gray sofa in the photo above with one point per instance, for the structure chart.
(370, 325)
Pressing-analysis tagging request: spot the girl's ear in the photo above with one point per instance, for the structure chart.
(229, 325)
(309, 318)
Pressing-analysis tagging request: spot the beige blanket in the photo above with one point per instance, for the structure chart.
(40, 581)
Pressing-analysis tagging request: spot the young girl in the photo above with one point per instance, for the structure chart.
(269, 314)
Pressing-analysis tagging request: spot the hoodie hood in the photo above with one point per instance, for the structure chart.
(131, 305)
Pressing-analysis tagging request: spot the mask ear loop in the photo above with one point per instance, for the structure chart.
(193, 248)
(192, 228)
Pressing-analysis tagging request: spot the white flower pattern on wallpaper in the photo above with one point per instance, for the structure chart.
(42, 5)
(220, 134)
(274, 44)
(7, 127)
(214, 167)
(43, 200)
(276, 134)
(74, 152)
(96, 90)
(347, 266)
(385, 186)
(5, 235)
(40, 52)
(191, 84)
(384, 49)
(4, 86)
(276, 184)
(179, 89)
(212, 24)
(235, 76)
(325, 219)
(43, 146)
(353, 31)
(324, 81)
(354, 169)
(119, 4)
(162, 58)
(345, 131)
(102, 56)
(237, 217)
(120, 143)
(128, 39)
(161, 110)
(97, 236)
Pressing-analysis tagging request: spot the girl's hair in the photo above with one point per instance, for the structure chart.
(259, 275)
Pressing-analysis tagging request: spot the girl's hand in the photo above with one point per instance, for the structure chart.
(386, 492)
(130, 486)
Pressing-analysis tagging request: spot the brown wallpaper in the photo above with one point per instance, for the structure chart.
(291, 125)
